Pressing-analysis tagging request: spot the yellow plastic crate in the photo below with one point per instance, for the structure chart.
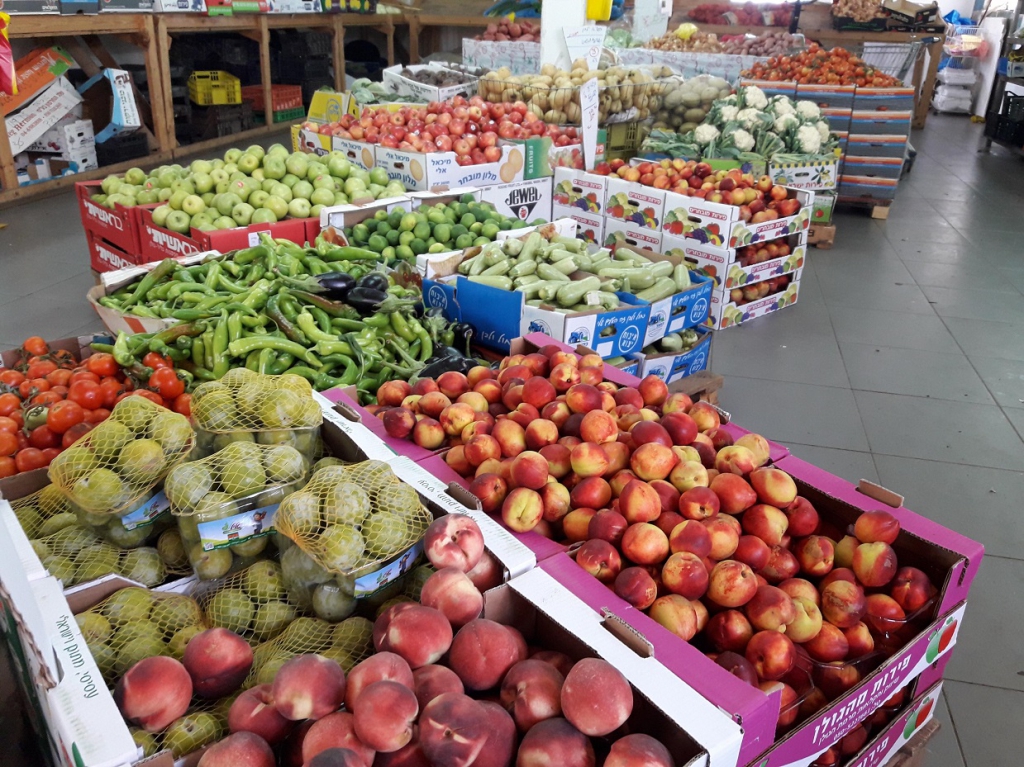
(212, 88)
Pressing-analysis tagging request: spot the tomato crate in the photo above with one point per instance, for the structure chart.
(210, 87)
(282, 98)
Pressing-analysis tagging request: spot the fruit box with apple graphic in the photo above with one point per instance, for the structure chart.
(577, 189)
(726, 311)
(638, 205)
(310, 142)
(421, 171)
(673, 366)
(543, 155)
(723, 265)
(888, 742)
(590, 227)
(815, 172)
(720, 225)
(117, 226)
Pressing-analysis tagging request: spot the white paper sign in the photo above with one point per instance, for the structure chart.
(650, 18)
(590, 111)
(585, 43)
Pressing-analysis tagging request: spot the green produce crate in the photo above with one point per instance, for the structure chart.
(285, 115)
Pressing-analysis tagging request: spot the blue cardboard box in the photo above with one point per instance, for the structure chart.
(671, 367)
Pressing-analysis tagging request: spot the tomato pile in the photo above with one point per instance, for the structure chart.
(50, 399)
(822, 67)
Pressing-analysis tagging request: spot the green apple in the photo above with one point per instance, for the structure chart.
(135, 176)
(177, 198)
(166, 178)
(217, 163)
(325, 181)
(193, 205)
(258, 198)
(146, 197)
(354, 187)
(178, 221)
(163, 195)
(207, 198)
(227, 203)
(200, 166)
(241, 214)
(258, 174)
(340, 198)
(247, 163)
(290, 180)
(256, 151)
(222, 186)
(231, 156)
(375, 190)
(338, 165)
(183, 185)
(224, 222)
(283, 191)
(192, 731)
(379, 176)
(360, 174)
(230, 167)
(200, 220)
(299, 208)
(265, 216)
(273, 167)
(203, 182)
(394, 189)
(111, 184)
(315, 169)
(314, 212)
(322, 197)
(302, 189)
(278, 150)
(240, 188)
(276, 205)
(269, 184)
(237, 176)
(219, 175)
(297, 163)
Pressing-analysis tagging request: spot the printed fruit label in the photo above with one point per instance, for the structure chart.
(221, 533)
(371, 583)
(146, 513)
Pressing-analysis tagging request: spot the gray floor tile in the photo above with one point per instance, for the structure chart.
(943, 749)
(987, 723)
(52, 313)
(1015, 276)
(915, 427)
(851, 465)
(1016, 417)
(874, 292)
(781, 409)
(940, 375)
(1003, 378)
(801, 358)
(894, 329)
(936, 230)
(981, 503)
(960, 277)
(1001, 340)
(937, 252)
(972, 305)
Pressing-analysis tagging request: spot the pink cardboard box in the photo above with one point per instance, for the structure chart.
(400, 446)
(887, 742)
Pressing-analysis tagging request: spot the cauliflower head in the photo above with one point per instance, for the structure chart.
(807, 110)
(705, 134)
(749, 117)
(808, 139)
(743, 140)
(784, 122)
(823, 130)
(728, 113)
(781, 105)
(754, 97)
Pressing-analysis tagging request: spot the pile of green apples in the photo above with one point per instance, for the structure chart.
(245, 187)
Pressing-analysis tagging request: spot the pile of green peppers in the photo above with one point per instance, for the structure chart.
(261, 308)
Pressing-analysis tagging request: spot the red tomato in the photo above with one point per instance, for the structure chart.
(43, 438)
(99, 415)
(61, 391)
(64, 359)
(87, 394)
(40, 368)
(36, 346)
(8, 425)
(11, 377)
(166, 383)
(33, 386)
(8, 468)
(9, 403)
(112, 389)
(8, 443)
(63, 415)
(75, 433)
(59, 377)
(102, 364)
(46, 398)
(18, 418)
(50, 453)
(152, 396)
(154, 360)
(83, 375)
(30, 458)
(183, 404)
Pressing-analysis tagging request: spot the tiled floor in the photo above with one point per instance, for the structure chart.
(903, 362)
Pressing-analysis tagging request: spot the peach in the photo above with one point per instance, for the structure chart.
(734, 493)
(650, 431)
(668, 521)
(725, 537)
(684, 573)
(564, 376)
(308, 687)
(860, 640)
(607, 525)
(487, 573)
(475, 400)
(530, 470)
(523, 414)
(807, 623)
(424, 386)
(675, 613)
(738, 666)
(451, 383)
(690, 536)
(454, 540)
(636, 586)
(800, 588)
(731, 584)
(431, 681)
(653, 461)
(531, 693)
(598, 427)
(154, 692)
(756, 444)
(376, 668)
(781, 565)
(494, 466)
(773, 486)
(410, 755)
(853, 741)
(433, 403)
(686, 453)
(816, 555)
(453, 729)
(639, 502)
(836, 678)
(482, 653)
(385, 716)
(705, 416)
(558, 458)
(687, 475)
(428, 434)
(489, 389)
(412, 402)
(537, 362)
(828, 645)
(588, 459)
(645, 544)
(638, 750)
(591, 493)
(511, 437)
(242, 749)
(540, 433)
(788, 709)
(653, 391)
(399, 422)
(681, 428)
(591, 680)
(752, 551)
(502, 737)
(557, 412)
(586, 398)
(479, 447)
(576, 524)
(843, 553)
(491, 490)
(555, 742)
(729, 630)
(843, 603)
(626, 416)
(677, 402)
(803, 517)
(617, 454)
(522, 509)
(628, 396)
(720, 438)
(884, 613)
(876, 527)
(391, 393)
(770, 609)
(457, 461)
(538, 391)
(874, 564)
(668, 497)
(561, 662)
(600, 559)
(555, 497)
(699, 503)
(701, 611)
(772, 654)
(912, 589)
(734, 459)
(619, 480)
(766, 522)
(254, 711)
(218, 661)
(452, 593)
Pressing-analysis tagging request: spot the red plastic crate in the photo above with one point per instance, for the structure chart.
(107, 257)
(115, 226)
(282, 97)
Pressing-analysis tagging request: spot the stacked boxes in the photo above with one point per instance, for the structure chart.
(879, 128)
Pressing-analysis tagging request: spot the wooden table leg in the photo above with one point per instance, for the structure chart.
(928, 87)
(7, 172)
(155, 83)
(414, 39)
(338, 42)
(265, 76)
(163, 52)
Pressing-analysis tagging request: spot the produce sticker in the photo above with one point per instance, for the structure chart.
(146, 513)
(222, 533)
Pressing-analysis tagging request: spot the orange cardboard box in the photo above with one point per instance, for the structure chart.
(34, 72)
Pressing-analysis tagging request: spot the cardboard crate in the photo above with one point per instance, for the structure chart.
(772, 87)
(543, 156)
(625, 233)
(33, 120)
(110, 104)
(106, 257)
(824, 203)
(880, 123)
(590, 227)
(117, 226)
(722, 266)
(869, 145)
(397, 83)
(813, 172)
(725, 312)
(720, 225)
(867, 187)
(305, 140)
(635, 204)
(873, 167)
(67, 139)
(37, 69)
(838, 119)
(528, 200)
(440, 170)
(895, 99)
(827, 96)
(887, 744)
(582, 191)
(674, 366)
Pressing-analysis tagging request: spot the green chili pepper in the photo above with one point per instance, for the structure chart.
(103, 348)
(280, 364)
(265, 362)
(212, 275)
(208, 348)
(198, 352)
(249, 255)
(252, 361)
(163, 269)
(221, 362)
(322, 319)
(144, 311)
(402, 326)
(284, 324)
(227, 284)
(204, 373)
(378, 320)
(243, 346)
(313, 332)
(340, 323)
(183, 275)
(122, 354)
(234, 326)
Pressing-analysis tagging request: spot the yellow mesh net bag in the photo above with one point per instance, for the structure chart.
(44, 512)
(121, 460)
(205, 722)
(133, 624)
(347, 643)
(226, 503)
(254, 602)
(244, 406)
(350, 520)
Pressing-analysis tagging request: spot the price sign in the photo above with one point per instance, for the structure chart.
(650, 18)
(585, 43)
(590, 111)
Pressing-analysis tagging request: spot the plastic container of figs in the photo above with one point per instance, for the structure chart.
(247, 407)
(141, 523)
(226, 503)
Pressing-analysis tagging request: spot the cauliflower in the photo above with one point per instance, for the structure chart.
(754, 97)
(807, 110)
(730, 100)
(749, 117)
(808, 139)
(743, 140)
(823, 130)
(705, 134)
(728, 113)
(784, 122)
(781, 105)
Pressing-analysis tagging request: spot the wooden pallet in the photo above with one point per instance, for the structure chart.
(700, 386)
(821, 236)
(879, 208)
(915, 752)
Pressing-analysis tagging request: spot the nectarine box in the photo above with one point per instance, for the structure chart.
(117, 226)
(591, 225)
(721, 226)
(721, 265)
(725, 313)
(418, 170)
(672, 366)
(311, 142)
(618, 232)
(642, 206)
(696, 733)
(586, 192)
(886, 744)
(543, 156)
